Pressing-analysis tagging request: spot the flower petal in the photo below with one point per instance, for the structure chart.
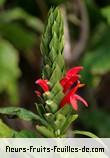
(70, 82)
(81, 99)
(71, 77)
(63, 81)
(74, 71)
(73, 102)
(43, 84)
(66, 98)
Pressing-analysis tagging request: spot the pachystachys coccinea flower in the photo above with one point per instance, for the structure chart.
(70, 84)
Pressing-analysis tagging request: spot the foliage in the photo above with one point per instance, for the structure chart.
(98, 51)
(85, 133)
(5, 131)
(19, 112)
(96, 63)
(8, 54)
(15, 36)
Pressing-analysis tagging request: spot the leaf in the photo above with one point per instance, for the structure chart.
(52, 105)
(65, 110)
(69, 120)
(19, 14)
(89, 134)
(96, 60)
(106, 13)
(50, 119)
(94, 13)
(2, 2)
(45, 131)
(18, 35)
(20, 113)
(25, 134)
(9, 65)
(60, 120)
(23, 114)
(40, 110)
(5, 131)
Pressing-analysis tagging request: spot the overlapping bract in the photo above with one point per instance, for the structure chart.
(52, 46)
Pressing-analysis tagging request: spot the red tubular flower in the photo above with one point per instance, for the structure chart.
(74, 99)
(43, 84)
(70, 78)
(66, 84)
(66, 98)
(71, 97)
(73, 71)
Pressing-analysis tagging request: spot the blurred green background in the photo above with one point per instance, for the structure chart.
(87, 43)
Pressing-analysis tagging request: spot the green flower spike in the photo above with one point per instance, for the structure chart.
(52, 46)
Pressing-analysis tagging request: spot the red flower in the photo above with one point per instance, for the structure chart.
(43, 84)
(71, 97)
(74, 99)
(71, 79)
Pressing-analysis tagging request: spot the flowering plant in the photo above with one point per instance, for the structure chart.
(57, 98)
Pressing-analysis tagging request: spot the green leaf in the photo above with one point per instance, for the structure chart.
(67, 109)
(45, 131)
(85, 133)
(9, 61)
(5, 131)
(69, 120)
(60, 120)
(52, 105)
(18, 35)
(94, 13)
(19, 14)
(20, 113)
(89, 134)
(64, 118)
(25, 134)
(96, 60)
(40, 110)
(50, 119)
(23, 114)
(106, 13)
(2, 2)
